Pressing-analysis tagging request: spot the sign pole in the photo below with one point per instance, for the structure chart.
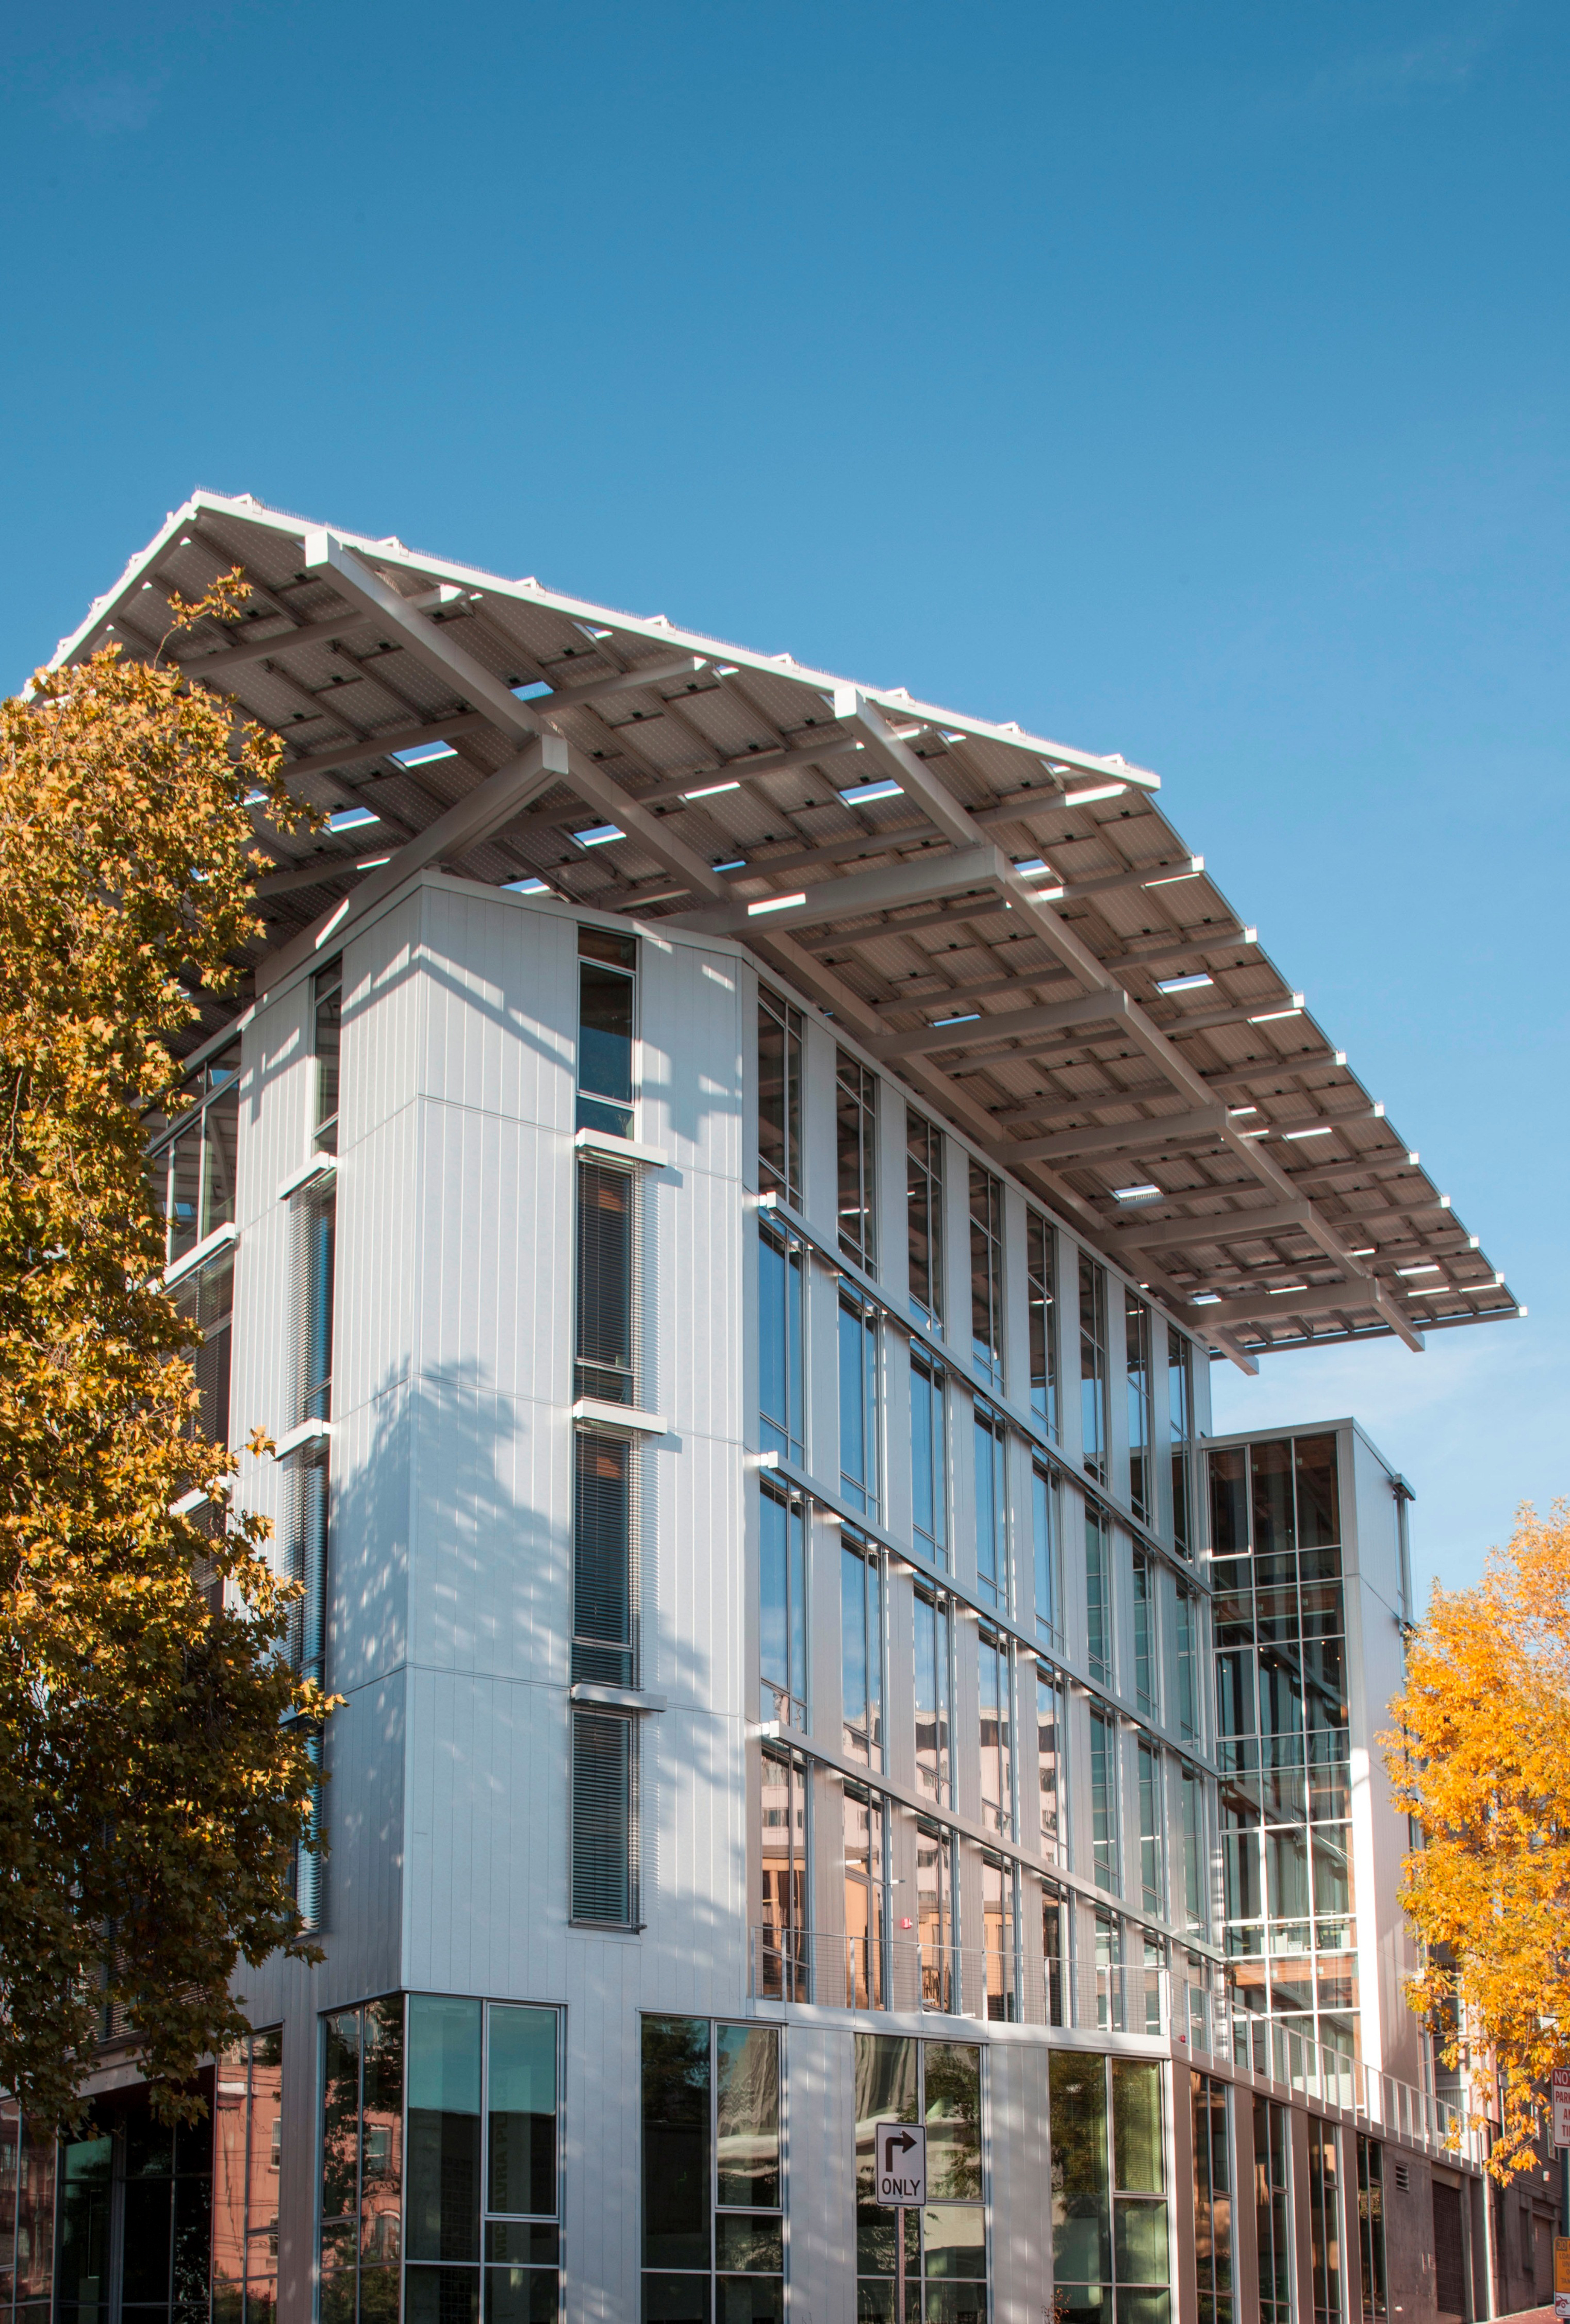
(899, 2185)
(900, 2267)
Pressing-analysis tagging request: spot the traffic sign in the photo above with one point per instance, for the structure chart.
(900, 2160)
(1561, 2274)
(1562, 2107)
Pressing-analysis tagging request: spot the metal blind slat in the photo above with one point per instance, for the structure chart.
(605, 1886)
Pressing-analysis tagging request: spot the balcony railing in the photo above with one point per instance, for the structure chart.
(905, 1976)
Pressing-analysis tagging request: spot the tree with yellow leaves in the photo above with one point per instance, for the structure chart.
(155, 1779)
(1481, 1759)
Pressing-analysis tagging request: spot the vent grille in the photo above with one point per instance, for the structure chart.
(605, 1199)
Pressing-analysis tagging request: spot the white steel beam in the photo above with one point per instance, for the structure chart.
(327, 555)
(479, 813)
(912, 881)
(625, 681)
(1226, 1227)
(1076, 1145)
(1011, 1024)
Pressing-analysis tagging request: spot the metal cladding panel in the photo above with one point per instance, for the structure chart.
(693, 1036)
(490, 1572)
(376, 1273)
(696, 1300)
(695, 1575)
(488, 1826)
(1018, 2155)
(368, 1556)
(500, 980)
(819, 2080)
(493, 1249)
(382, 1005)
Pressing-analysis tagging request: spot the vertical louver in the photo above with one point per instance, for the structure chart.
(604, 1850)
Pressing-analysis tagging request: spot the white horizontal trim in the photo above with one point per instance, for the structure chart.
(187, 1504)
(597, 1414)
(616, 1698)
(209, 1248)
(318, 1165)
(620, 1149)
(294, 1440)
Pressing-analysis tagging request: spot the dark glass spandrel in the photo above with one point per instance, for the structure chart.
(953, 2078)
(441, 2295)
(1318, 1493)
(676, 2300)
(1275, 1523)
(677, 2159)
(522, 2160)
(1137, 2127)
(521, 2295)
(443, 2210)
(1229, 1506)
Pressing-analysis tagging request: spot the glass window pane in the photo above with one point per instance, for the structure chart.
(521, 2164)
(1081, 2207)
(954, 2240)
(952, 2073)
(438, 2296)
(1140, 2242)
(1318, 1497)
(444, 2129)
(1229, 1508)
(1137, 2124)
(677, 2191)
(747, 2091)
(381, 2129)
(340, 2113)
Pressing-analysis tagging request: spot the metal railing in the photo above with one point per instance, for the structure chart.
(903, 1975)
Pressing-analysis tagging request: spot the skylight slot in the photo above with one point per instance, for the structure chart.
(735, 863)
(1135, 1193)
(423, 754)
(1320, 1130)
(863, 793)
(599, 834)
(1429, 1267)
(526, 887)
(1185, 983)
(711, 790)
(352, 818)
(1274, 1016)
(776, 903)
(966, 1017)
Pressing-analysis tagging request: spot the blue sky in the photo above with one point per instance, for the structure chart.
(1189, 382)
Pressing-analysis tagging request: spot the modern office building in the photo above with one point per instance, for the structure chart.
(725, 1188)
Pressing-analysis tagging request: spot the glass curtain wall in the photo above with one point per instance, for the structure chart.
(193, 1155)
(1181, 1428)
(858, 1404)
(1047, 1557)
(924, 1209)
(990, 1444)
(861, 1648)
(1137, 1369)
(1041, 1299)
(713, 2195)
(780, 1046)
(1093, 1368)
(1324, 2218)
(1371, 2227)
(856, 1149)
(1110, 2237)
(1212, 2200)
(986, 1273)
(782, 1369)
(933, 1657)
(783, 1607)
(783, 1966)
(939, 2083)
(1273, 2210)
(362, 2165)
(135, 2219)
(28, 2157)
(247, 2142)
(930, 1458)
(1284, 1740)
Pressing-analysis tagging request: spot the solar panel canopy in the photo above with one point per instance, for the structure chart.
(1010, 924)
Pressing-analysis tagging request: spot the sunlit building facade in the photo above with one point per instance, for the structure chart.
(805, 1659)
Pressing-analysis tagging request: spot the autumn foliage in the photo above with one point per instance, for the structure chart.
(153, 1786)
(1483, 1760)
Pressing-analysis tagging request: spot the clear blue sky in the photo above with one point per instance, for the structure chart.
(1187, 382)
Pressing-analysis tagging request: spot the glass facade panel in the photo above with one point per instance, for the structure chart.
(1048, 1570)
(865, 1858)
(1371, 2227)
(991, 1512)
(606, 1209)
(1093, 1367)
(1051, 1729)
(782, 1369)
(1040, 1292)
(1147, 1642)
(1104, 1800)
(1211, 2199)
(783, 1966)
(934, 1649)
(1152, 1886)
(924, 1209)
(363, 2176)
(986, 1272)
(858, 1405)
(782, 1608)
(1272, 2210)
(1098, 1614)
(606, 1030)
(930, 1458)
(1324, 2218)
(780, 1030)
(1137, 1370)
(713, 2242)
(938, 2083)
(997, 1755)
(1180, 1428)
(856, 1149)
(248, 2125)
(861, 1649)
(1110, 2228)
